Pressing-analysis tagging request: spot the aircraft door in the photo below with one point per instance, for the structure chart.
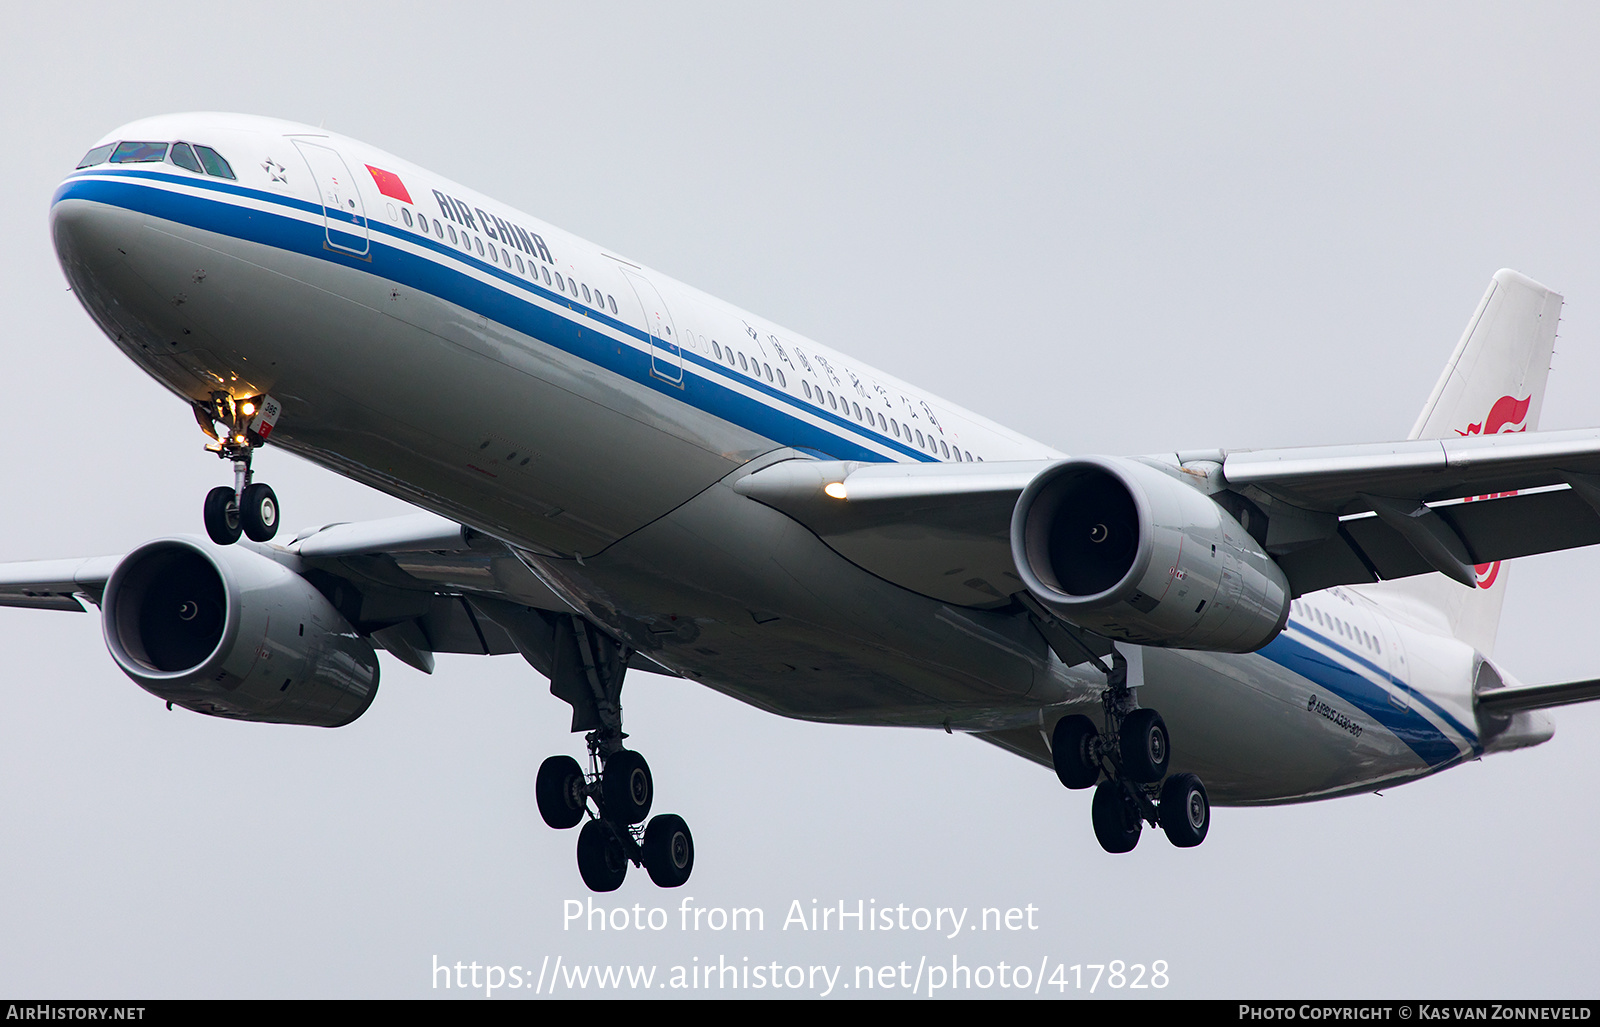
(344, 217)
(666, 357)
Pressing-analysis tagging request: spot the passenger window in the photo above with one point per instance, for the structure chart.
(405, 212)
(98, 155)
(213, 161)
(184, 157)
(586, 298)
(438, 229)
(919, 439)
(831, 401)
(894, 426)
(857, 407)
(781, 383)
(560, 284)
(546, 274)
(453, 240)
(480, 245)
(138, 153)
(767, 368)
(520, 269)
(492, 254)
(716, 349)
(743, 364)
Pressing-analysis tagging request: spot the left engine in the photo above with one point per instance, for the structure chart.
(232, 633)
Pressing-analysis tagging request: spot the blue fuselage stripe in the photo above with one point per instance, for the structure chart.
(1420, 734)
(774, 415)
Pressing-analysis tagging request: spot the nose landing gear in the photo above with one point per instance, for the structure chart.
(237, 428)
(1128, 762)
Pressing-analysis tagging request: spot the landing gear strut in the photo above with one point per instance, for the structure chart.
(1128, 761)
(617, 791)
(237, 428)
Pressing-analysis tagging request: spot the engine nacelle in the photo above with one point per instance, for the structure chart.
(1122, 549)
(232, 633)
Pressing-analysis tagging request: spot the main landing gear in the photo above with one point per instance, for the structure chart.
(237, 428)
(617, 791)
(1125, 766)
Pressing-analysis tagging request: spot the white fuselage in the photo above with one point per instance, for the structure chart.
(482, 364)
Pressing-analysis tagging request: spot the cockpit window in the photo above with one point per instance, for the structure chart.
(97, 155)
(184, 157)
(138, 153)
(213, 161)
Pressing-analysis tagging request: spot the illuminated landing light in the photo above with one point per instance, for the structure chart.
(835, 489)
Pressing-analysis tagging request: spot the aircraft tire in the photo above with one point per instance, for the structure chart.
(602, 861)
(556, 790)
(222, 516)
(627, 787)
(668, 850)
(1185, 810)
(1071, 749)
(1116, 820)
(258, 512)
(1145, 747)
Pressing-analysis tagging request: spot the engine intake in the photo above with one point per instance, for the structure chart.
(232, 633)
(1125, 550)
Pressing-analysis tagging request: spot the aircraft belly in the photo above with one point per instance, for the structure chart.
(403, 391)
(1257, 733)
(743, 599)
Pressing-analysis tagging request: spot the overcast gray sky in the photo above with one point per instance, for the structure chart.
(1117, 230)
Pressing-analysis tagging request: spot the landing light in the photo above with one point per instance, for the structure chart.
(835, 489)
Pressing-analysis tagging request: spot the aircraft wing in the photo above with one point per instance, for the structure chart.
(417, 585)
(1329, 515)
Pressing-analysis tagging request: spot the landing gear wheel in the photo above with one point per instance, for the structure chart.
(1072, 750)
(627, 787)
(602, 860)
(1185, 810)
(668, 850)
(258, 512)
(222, 516)
(1116, 818)
(560, 803)
(1145, 750)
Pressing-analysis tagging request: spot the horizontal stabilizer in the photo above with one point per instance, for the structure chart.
(1515, 698)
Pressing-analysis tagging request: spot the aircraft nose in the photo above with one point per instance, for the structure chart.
(90, 236)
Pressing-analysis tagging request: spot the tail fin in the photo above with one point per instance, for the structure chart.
(1494, 382)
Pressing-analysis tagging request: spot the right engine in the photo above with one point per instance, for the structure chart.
(1125, 550)
(232, 633)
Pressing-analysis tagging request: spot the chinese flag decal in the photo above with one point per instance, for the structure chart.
(389, 184)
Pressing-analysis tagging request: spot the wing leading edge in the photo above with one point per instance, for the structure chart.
(1330, 515)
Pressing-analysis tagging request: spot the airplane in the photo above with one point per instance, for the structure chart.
(615, 470)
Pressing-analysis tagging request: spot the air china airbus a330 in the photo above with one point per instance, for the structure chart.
(617, 470)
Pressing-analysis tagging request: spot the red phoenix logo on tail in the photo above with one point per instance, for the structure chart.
(1508, 414)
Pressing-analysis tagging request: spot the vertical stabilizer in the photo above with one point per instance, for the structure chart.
(1494, 382)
